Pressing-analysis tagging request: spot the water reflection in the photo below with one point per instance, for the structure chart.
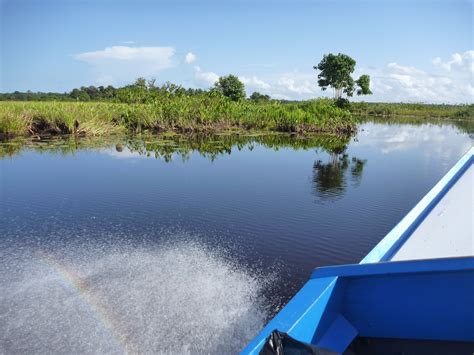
(463, 125)
(168, 147)
(433, 139)
(330, 177)
(109, 223)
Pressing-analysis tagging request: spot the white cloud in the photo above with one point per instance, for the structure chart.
(124, 63)
(459, 61)
(415, 137)
(401, 70)
(294, 86)
(449, 82)
(190, 58)
(254, 82)
(205, 78)
(161, 56)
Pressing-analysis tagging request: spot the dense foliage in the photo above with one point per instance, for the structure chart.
(336, 72)
(141, 90)
(258, 97)
(231, 87)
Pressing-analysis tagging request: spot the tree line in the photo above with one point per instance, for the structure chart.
(229, 86)
(335, 71)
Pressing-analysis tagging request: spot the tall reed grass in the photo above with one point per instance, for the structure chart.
(178, 113)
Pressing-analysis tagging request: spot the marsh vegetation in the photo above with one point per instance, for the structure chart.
(145, 107)
(416, 110)
(205, 113)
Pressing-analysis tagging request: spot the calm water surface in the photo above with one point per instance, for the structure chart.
(146, 245)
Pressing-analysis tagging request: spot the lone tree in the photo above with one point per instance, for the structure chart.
(231, 87)
(336, 71)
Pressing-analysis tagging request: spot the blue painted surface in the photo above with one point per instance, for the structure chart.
(416, 305)
(396, 267)
(424, 299)
(338, 335)
(402, 231)
(300, 316)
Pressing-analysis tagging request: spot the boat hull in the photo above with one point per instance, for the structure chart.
(423, 298)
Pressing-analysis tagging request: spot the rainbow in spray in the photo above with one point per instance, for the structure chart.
(97, 308)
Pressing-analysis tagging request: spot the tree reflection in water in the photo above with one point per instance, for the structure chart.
(171, 147)
(330, 177)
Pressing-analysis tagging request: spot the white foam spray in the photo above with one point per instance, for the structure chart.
(180, 297)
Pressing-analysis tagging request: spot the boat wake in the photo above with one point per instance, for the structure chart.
(179, 298)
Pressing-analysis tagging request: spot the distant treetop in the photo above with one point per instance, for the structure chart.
(335, 72)
(256, 96)
(231, 87)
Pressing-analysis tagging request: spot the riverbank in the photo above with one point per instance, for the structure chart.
(182, 114)
(412, 110)
(205, 113)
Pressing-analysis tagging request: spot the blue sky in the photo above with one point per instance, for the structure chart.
(413, 50)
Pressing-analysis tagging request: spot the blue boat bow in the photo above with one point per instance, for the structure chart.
(423, 299)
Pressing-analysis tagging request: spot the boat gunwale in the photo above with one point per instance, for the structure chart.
(386, 248)
(395, 239)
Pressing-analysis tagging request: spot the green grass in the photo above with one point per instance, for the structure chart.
(203, 113)
(413, 110)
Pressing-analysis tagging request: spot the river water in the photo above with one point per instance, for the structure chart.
(189, 245)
